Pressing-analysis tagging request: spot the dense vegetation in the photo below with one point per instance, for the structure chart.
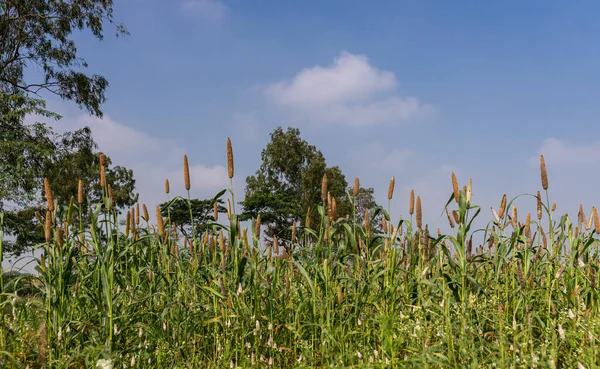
(333, 294)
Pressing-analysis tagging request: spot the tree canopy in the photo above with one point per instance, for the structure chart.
(288, 183)
(38, 33)
(74, 157)
(194, 212)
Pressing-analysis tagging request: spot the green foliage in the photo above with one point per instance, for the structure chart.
(73, 157)
(38, 32)
(288, 183)
(194, 212)
(340, 295)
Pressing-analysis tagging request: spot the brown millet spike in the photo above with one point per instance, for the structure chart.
(543, 172)
(333, 207)
(80, 192)
(553, 206)
(450, 220)
(160, 222)
(127, 223)
(137, 213)
(102, 176)
(356, 187)
(391, 188)
(257, 226)
(229, 158)
(411, 204)
(48, 193)
(132, 220)
(102, 159)
(48, 226)
(60, 237)
(186, 173)
(515, 217)
(581, 215)
(456, 216)
(596, 220)
(38, 216)
(502, 209)
(419, 213)
(216, 211)
(324, 193)
(145, 210)
(455, 187)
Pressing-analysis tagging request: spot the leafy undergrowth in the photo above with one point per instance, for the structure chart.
(334, 294)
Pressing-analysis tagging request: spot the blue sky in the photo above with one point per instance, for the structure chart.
(413, 89)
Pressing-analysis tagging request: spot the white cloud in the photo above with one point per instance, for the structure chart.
(349, 91)
(207, 9)
(557, 152)
(152, 159)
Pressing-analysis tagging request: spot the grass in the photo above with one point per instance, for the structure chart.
(338, 294)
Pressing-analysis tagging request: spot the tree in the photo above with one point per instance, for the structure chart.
(37, 33)
(288, 183)
(74, 158)
(202, 212)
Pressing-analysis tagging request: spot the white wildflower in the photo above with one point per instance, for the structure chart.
(571, 314)
(561, 332)
(104, 364)
(359, 354)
